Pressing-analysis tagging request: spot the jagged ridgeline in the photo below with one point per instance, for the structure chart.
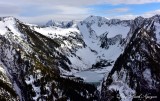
(29, 64)
(136, 73)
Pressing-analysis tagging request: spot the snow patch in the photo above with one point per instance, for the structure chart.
(119, 83)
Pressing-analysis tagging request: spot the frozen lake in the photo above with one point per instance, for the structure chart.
(93, 76)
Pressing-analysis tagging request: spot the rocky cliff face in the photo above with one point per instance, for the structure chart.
(32, 62)
(136, 71)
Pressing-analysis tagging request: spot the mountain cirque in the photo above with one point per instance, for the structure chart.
(91, 60)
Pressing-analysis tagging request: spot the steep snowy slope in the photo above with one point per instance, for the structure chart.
(32, 64)
(113, 27)
(137, 71)
(6, 86)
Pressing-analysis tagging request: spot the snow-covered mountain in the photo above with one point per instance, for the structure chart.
(135, 74)
(63, 24)
(60, 61)
(32, 62)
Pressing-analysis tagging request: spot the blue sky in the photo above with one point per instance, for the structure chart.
(40, 11)
(132, 8)
(109, 10)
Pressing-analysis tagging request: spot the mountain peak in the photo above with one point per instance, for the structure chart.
(7, 18)
(156, 18)
(139, 18)
(61, 24)
(92, 18)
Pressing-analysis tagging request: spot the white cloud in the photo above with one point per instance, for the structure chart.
(125, 17)
(133, 16)
(63, 13)
(23, 11)
(63, 9)
(151, 13)
(54, 2)
(74, 2)
(131, 1)
(79, 17)
(9, 9)
(88, 2)
(118, 10)
(91, 2)
(58, 17)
